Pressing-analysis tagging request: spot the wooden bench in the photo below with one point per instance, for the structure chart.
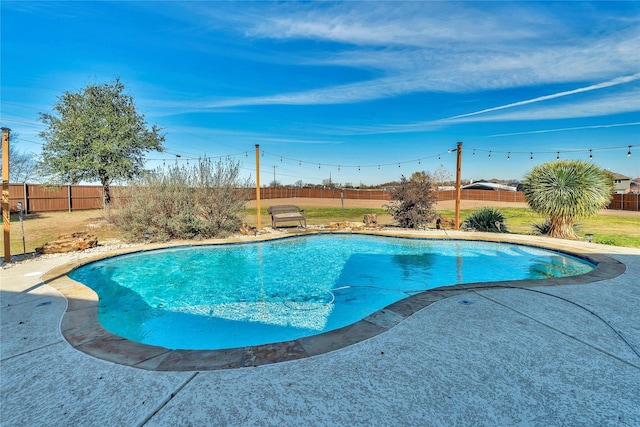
(281, 213)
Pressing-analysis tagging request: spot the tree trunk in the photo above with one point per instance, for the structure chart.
(562, 228)
(106, 194)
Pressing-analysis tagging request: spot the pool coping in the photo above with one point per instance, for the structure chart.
(81, 328)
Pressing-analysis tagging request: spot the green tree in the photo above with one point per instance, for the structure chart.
(97, 134)
(412, 201)
(567, 190)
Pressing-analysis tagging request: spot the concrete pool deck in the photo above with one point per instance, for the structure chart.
(512, 357)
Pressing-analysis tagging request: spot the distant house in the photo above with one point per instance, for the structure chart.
(621, 183)
(483, 185)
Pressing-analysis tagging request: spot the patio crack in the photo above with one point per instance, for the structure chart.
(168, 399)
(587, 343)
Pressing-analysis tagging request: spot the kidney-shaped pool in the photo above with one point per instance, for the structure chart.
(234, 295)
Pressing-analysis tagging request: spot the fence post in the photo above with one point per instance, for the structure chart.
(69, 196)
(25, 197)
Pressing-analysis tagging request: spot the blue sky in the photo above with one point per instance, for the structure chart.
(340, 88)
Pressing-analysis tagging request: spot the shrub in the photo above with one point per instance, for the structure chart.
(486, 219)
(542, 228)
(412, 202)
(202, 201)
(566, 190)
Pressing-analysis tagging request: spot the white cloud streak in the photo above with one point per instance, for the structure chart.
(607, 84)
(447, 47)
(614, 125)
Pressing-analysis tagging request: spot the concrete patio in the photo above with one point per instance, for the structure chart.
(513, 357)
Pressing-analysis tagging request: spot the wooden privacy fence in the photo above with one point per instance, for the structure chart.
(38, 198)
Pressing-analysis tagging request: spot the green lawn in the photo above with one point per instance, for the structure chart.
(623, 230)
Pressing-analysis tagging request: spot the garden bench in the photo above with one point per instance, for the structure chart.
(281, 213)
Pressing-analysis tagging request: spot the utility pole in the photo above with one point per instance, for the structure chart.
(6, 208)
(258, 185)
(458, 183)
(274, 177)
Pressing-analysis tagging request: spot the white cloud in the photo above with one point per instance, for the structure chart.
(614, 125)
(614, 82)
(441, 47)
(598, 106)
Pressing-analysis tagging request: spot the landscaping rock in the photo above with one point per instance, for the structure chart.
(248, 230)
(69, 243)
(346, 225)
(370, 220)
(445, 223)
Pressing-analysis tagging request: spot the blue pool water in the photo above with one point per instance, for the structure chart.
(225, 296)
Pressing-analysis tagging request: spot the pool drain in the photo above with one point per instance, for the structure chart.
(465, 302)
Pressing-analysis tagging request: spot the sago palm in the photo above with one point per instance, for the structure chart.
(567, 190)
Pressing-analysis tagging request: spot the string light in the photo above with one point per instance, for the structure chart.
(408, 161)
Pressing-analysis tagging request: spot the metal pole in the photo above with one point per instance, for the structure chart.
(458, 183)
(258, 185)
(6, 209)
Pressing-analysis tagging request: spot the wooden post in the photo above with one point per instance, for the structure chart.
(258, 185)
(25, 194)
(458, 183)
(6, 208)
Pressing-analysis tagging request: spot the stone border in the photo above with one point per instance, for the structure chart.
(82, 330)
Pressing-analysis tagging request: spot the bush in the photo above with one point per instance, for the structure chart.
(412, 201)
(542, 228)
(486, 219)
(202, 201)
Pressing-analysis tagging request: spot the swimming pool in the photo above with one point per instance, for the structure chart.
(226, 296)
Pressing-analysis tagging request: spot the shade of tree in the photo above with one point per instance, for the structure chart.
(565, 191)
(96, 135)
(413, 200)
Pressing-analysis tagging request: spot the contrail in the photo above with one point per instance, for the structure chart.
(614, 82)
(565, 129)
